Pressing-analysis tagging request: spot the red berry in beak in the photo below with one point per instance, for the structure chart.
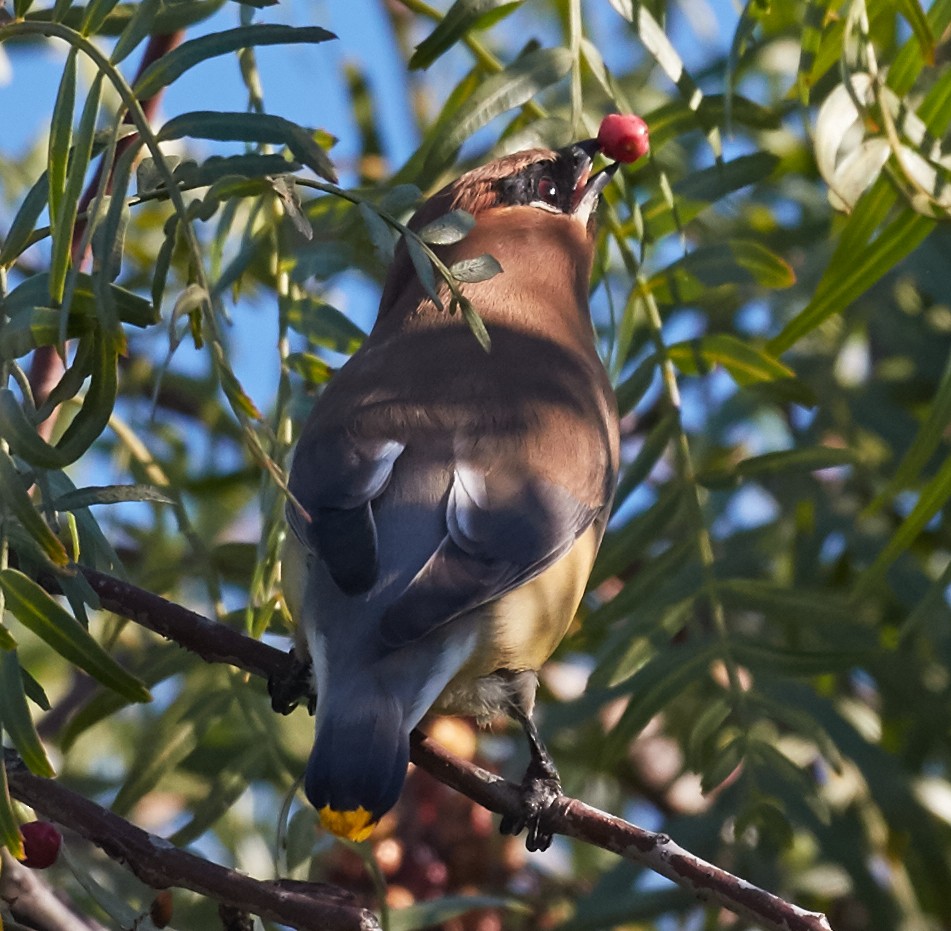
(623, 137)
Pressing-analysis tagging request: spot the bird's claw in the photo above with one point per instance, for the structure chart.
(538, 794)
(289, 686)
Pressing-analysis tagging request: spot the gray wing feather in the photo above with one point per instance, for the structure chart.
(335, 479)
(502, 531)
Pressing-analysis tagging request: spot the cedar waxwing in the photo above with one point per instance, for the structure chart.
(454, 499)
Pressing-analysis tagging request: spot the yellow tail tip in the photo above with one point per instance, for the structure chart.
(356, 824)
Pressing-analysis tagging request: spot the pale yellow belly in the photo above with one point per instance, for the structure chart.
(522, 629)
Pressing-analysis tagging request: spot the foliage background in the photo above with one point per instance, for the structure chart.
(762, 667)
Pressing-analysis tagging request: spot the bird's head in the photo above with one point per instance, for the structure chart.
(554, 181)
(533, 209)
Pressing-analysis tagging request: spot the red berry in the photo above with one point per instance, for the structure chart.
(41, 843)
(623, 137)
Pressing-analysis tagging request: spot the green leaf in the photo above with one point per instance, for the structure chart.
(807, 459)
(17, 720)
(79, 159)
(777, 602)
(381, 234)
(844, 281)
(323, 325)
(19, 432)
(171, 740)
(912, 11)
(61, 137)
(38, 612)
(927, 440)
(480, 268)
(652, 687)
(746, 364)
(424, 269)
(18, 236)
(517, 84)
(174, 64)
(654, 446)
(252, 127)
(635, 386)
(95, 14)
(476, 325)
(699, 189)
(138, 27)
(791, 662)
(9, 825)
(93, 417)
(931, 499)
(311, 368)
(449, 228)
(108, 494)
(17, 502)
(462, 17)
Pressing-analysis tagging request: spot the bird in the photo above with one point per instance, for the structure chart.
(447, 501)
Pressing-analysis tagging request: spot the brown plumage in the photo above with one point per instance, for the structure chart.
(456, 497)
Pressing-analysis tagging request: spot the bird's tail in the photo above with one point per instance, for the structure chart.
(358, 765)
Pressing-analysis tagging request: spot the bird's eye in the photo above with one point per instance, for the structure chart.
(547, 192)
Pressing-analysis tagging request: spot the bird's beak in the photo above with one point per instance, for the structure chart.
(588, 187)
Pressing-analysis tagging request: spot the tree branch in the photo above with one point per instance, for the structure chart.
(303, 905)
(214, 642)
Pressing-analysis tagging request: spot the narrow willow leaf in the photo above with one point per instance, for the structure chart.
(462, 17)
(252, 127)
(635, 386)
(311, 368)
(695, 192)
(449, 228)
(17, 429)
(381, 235)
(706, 725)
(9, 824)
(912, 11)
(87, 426)
(806, 459)
(32, 325)
(933, 496)
(477, 326)
(174, 64)
(622, 547)
(654, 446)
(520, 82)
(323, 325)
(480, 268)
(745, 363)
(927, 440)
(108, 494)
(176, 735)
(785, 604)
(424, 269)
(37, 611)
(72, 380)
(138, 27)
(7, 640)
(69, 205)
(17, 720)
(654, 686)
(790, 662)
(95, 14)
(844, 282)
(17, 502)
(18, 236)
(61, 137)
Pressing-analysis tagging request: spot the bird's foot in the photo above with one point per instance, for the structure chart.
(540, 789)
(294, 683)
